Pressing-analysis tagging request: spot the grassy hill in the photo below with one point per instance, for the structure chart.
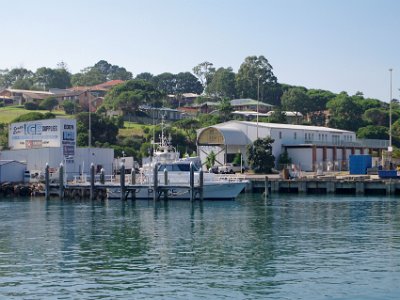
(9, 113)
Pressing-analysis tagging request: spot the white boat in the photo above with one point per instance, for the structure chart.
(166, 158)
(215, 187)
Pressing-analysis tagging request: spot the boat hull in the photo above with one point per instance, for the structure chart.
(211, 191)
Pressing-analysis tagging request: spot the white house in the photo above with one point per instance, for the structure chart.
(309, 147)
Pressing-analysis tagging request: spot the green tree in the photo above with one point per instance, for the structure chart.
(88, 77)
(145, 76)
(188, 83)
(259, 155)
(210, 160)
(46, 78)
(173, 84)
(3, 136)
(48, 104)
(189, 126)
(103, 129)
(222, 84)
(377, 116)
(283, 160)
(368, 103)
(112, 72)
(373, 132)
(23, 84)
(132, 93)
(255, 74)
(346, 113)
(166, 83)
(319, 98)
(18, 78)
(70, 107)
(297, 100)
(225, 109)
(204, 72)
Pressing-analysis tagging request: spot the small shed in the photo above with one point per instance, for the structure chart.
(12, 171)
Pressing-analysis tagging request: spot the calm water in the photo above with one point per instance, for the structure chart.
(292, 247)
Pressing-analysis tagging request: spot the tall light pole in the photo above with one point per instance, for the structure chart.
(90, 123)
(258, 98)
(390, 111)
(390, 148)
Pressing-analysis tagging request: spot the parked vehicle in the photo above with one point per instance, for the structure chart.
(230, 168)
(213, 169)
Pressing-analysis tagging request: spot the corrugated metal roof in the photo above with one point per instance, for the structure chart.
(232, 136)
(285, 126)
(4, 162)
(28, 91)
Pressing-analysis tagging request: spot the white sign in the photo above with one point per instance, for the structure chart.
(43, 134)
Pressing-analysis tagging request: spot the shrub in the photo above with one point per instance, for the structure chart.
(31, 106)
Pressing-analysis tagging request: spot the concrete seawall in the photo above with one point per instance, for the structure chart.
(329, 184)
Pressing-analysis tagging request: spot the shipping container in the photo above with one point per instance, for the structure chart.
(358, 164)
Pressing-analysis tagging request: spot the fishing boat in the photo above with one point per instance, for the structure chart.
(173, 175)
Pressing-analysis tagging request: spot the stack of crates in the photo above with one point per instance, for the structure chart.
(359, 164)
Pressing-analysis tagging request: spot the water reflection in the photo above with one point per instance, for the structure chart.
(285, 247)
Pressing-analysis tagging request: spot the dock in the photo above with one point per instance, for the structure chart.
(97, 189)
(267, 184)
(327, 184)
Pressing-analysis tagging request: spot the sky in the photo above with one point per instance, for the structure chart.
(336, 45)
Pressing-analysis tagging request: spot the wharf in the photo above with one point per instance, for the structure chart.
(334, 183)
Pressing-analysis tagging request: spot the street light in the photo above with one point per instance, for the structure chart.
(390, 148)
(90, 122)
(258, 98)
(390, 113)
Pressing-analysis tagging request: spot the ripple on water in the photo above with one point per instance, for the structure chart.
(292, 248)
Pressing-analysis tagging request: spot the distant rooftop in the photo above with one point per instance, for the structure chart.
(283, 126)
(248, 101)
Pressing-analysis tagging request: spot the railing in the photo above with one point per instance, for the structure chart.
(364, 143)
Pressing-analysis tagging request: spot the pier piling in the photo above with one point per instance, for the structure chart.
(155, 183)
(192, 194)
(102, 176)
(61, 181)
(122, 181)
(47, 181)
(92, 194)
(201, 184)
(165, 183)
(133, 182)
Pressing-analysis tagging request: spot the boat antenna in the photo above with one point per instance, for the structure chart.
(162, 130)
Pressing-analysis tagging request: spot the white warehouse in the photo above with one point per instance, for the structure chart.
(309, 147)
